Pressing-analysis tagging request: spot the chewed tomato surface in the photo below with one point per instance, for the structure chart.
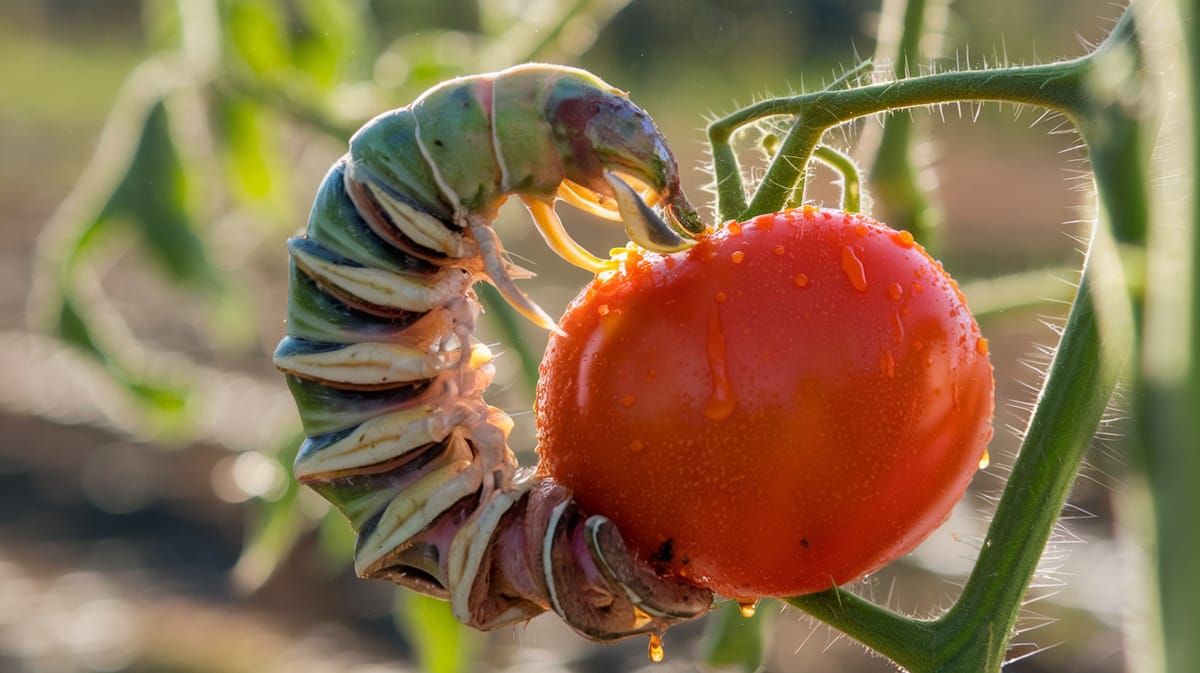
(790, 404)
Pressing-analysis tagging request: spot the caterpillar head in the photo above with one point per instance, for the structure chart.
(612, 148)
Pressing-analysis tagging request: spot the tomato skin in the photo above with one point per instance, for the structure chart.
(790, 404)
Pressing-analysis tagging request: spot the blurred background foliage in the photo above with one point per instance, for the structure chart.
(156, 153)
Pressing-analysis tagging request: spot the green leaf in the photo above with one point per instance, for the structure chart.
(732, 640)
(151, 197)
(330, 36)
(256, 33)
(73, 328)
(442, 643)
(245, 147)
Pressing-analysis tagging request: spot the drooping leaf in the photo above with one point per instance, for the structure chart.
(151, 198)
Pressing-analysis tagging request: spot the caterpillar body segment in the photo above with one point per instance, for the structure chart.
(389, 381)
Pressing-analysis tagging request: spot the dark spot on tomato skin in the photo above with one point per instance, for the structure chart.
(665, 552)
(804, 542)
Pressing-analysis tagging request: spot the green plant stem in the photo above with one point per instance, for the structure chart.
(844, 165)
(893, 176)
(1059, 86)
(1169, 387)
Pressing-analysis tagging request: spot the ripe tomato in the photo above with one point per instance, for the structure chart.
(790, 404)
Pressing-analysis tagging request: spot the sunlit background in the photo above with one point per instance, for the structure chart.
(147, 517)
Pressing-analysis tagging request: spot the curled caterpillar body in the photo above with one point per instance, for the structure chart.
(389, 383)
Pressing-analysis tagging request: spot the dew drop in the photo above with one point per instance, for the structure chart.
(602, 309)
(981, 346)
(852, 266)
(898, 326)
(903, 239)
(636, 445)
(720, 297)
(895, 291)
(800, 280)
(720, 402)
(737, 256)
(746, 608)
(735, 229)
(887, 365)
(655, 650)
(985, 460)
(778, 250)
(627, 401)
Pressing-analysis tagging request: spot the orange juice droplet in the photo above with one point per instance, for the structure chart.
(985, 460)
(852, 266)
(746, 608)
(720, 403)
(655, 651)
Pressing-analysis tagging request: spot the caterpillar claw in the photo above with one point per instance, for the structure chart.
(642, 224)
(556, 236)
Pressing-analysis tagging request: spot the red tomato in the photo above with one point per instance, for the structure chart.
(792, 403)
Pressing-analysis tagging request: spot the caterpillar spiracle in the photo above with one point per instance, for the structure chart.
(389, 382)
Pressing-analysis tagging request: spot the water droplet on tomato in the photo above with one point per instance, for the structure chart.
(897, 326)
(985, 460)
(800, 280)
(602, 309)
(852, 266)
(887, 365)
(655, 650)
(746, 608)
(735, 229)
(636, 445)
(981, 346)
(895, 291)
(737, 256)
(778, 250)
(627, 401)
(720, 297)
(903, 239)
(721, 402)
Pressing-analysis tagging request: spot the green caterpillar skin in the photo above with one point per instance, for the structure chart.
(389, 382)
